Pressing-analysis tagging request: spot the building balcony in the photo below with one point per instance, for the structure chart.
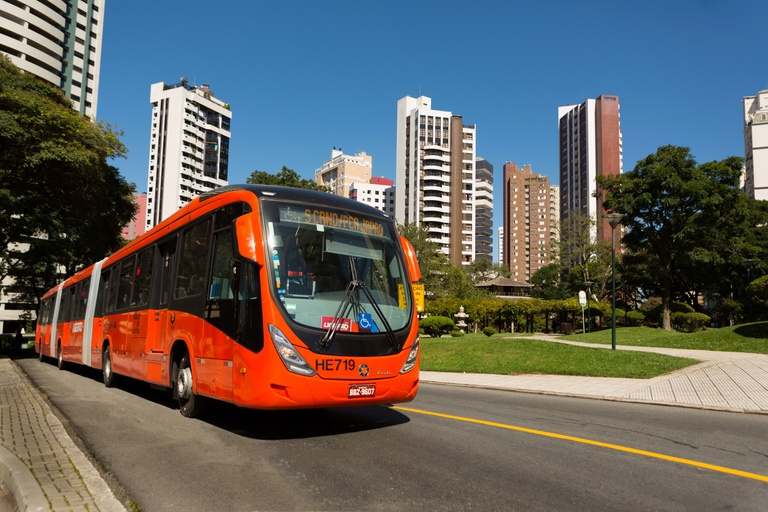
(435, 219)
(437, 210)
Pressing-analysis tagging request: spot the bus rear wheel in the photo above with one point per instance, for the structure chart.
(106, 368)
(190, 404)
(60, 357)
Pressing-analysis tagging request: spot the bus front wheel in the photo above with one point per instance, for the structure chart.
(190, 404)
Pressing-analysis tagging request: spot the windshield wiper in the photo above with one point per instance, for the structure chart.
(351, 301)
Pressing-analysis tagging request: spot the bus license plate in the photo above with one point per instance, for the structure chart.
(362, 390)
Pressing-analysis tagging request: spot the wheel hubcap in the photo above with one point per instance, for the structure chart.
(184, 383)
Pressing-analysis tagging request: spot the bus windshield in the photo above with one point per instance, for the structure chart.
(336, 270)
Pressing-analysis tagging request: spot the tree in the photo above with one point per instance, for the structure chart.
(285, 178)
(548, 283)
(582, 259)
(432, 262)
(59, 195)
(679, 216)
(482, 270)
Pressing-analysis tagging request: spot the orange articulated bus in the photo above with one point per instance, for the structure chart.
(265, 297)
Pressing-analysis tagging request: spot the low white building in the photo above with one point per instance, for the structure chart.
(380, 194)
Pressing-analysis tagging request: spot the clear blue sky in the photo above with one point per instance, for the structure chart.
(304, 76)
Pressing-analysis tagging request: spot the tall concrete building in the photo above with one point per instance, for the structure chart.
(188, 148)
(590, 145)
(58, 41)
(341, 171)
(435, 176)
(483, 209)
(527, 214)
(756, 145)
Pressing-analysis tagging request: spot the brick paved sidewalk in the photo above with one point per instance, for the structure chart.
(39, 463)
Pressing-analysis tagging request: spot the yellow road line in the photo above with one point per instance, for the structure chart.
(703, 465)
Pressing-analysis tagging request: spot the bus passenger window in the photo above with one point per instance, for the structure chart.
(112, 287)
(143, 278)
(193, 261)
(167, 252)
(126, 279)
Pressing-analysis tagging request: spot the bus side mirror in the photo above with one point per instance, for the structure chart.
(248, 238)
(411, 260)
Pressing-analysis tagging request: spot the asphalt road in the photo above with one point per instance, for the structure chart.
(451, 449)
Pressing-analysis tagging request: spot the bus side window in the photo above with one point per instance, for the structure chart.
(65, 311)
(167, 251)
(111, 283)
(220, 301)
(81, 299)
(143, 278)
(126, 280)
(194, 260)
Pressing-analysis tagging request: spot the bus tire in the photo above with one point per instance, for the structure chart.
(60, 357)
(107, 370)
(190, 404)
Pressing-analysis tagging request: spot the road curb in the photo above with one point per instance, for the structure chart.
(21, 483)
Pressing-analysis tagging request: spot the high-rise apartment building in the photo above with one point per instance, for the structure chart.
(590, 145)
(756, 145)
(341, 171)
(483, 209)
(188, 148)
(59, 41)
(136, 227)
(379, 193)
(435, 176)
(527, 234)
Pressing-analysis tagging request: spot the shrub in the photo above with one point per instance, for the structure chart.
(457, 334)
(653, 310)
(436, 325)
(635, 318)
(689, 322)
(489, 331)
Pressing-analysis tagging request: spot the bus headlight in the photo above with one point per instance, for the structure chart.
(413, 356)
(290, 356)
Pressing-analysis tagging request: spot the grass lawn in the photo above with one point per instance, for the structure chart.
(739, 338)
(505, 355)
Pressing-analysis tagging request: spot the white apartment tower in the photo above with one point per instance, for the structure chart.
(756, 145)
(342, 171)
(188, 148)
(58, 41)
(435, 176)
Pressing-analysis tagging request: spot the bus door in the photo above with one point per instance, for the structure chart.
(50, 338)
(79, 297)
(157, 343)
(220, 315)
(139, 312)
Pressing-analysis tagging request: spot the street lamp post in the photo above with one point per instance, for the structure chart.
(614, 219)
